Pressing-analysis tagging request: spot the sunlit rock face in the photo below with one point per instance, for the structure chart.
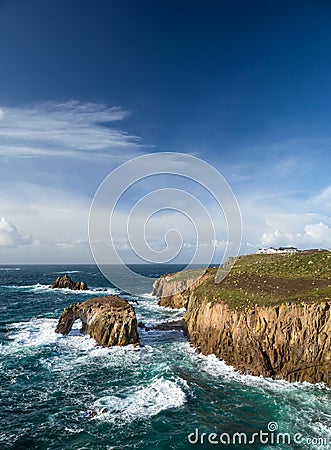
(109, 320)
(65, 282)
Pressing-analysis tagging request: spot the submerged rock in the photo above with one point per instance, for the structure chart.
(65, 282)
(109, 320)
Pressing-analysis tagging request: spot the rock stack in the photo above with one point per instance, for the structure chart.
(65, 282)
(109, 320)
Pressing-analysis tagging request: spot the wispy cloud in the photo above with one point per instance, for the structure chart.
(64, 129)
(323, 199)
(300, 162)
(283, 189)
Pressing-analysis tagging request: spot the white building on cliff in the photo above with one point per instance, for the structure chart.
(272, 250)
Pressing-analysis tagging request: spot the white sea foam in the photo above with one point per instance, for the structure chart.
(312, 400)
(149, 296)
(172, 310)
(142, 403)
(47, 288)
(94, 291)
(164, 309)
(74, 430)
(216, 367)
(84, 351)
(212, 365)
(63, 272)
(29, 334)
(37, 333)
(10, 268)
(29, 287)
(41, 332)
(33, 335)
(156, 322)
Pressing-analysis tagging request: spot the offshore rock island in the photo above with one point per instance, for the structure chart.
(109, 320)
(65, 282)
(270, 316)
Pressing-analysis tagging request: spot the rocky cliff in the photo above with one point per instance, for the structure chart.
(288, 341)
(271, 316)
(174, 290)
(109, 320)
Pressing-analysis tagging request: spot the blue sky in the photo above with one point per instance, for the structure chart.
(85, 86)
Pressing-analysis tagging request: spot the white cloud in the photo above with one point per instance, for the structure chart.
(9, 235)
(271, 218)
(42, 196)
(310, 235)
(276, 238)
(318, 232)
(74, 243)
(219, 244)
(323, 198)
(56, 219)
(64, 129)
(270, 193)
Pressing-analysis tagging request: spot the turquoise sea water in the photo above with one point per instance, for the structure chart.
(53, 388)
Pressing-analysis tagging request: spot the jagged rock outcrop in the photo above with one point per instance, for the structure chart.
(65, 282)
(174, 290)
(109, 320)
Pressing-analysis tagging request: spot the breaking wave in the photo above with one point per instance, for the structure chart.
(47, 288)
(142, 403)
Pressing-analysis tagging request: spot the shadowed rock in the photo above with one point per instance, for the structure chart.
(173, 325)
(109, 320)
(65, 282)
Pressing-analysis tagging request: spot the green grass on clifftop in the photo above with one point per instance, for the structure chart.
(264, 280)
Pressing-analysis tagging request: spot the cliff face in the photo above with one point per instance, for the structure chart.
(291, 342)
(174, 290)
(270, 316)
(109, 320)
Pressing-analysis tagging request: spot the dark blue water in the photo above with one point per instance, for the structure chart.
(53, 388)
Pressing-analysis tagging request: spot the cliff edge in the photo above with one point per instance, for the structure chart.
(270, 316)
(174, 290)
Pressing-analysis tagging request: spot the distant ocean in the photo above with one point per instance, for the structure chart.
(161, 396)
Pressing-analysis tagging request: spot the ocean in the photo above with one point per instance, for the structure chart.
(163, 395)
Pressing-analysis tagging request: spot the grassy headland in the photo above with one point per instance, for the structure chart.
(264, 280)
